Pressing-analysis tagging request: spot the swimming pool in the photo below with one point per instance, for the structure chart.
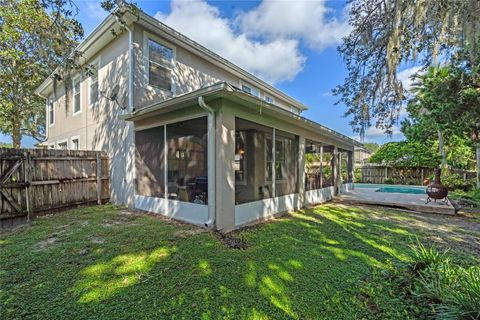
(388, 188)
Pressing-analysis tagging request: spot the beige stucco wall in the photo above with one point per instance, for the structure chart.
(191, 72)
(99, 126)
(113, 70)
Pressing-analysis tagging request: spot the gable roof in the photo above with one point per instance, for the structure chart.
(102, 33)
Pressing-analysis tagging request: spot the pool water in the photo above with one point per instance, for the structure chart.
(401, 190)
(392, 188)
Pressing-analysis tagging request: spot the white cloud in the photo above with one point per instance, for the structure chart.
(374, 134)
(275, 60)
(405, 76)
(310, 21)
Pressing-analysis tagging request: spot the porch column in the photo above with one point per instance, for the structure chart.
(339, 173)
(225, 177)
(350, 166)
(301, 172)
(321, 166)
(334, 165)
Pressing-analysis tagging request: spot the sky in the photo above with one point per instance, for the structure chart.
(289, 44)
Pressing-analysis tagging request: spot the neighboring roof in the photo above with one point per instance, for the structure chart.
(104, 30)
(224, 89)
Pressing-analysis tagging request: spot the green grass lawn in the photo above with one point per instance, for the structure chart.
(324, 263)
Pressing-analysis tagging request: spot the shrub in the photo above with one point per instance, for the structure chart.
(358, 175)
(454, 181)
(453, 290)
(427, 257)
(389, 181)
(463, 297)
(475, 194)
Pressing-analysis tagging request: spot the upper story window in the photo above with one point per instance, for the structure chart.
(94, 87)
(249, 89)
(77, 108)
(159, 65)
(269, 99)
(294, 110)
(51, 112)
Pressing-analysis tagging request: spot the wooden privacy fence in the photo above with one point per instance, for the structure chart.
(375, 173)
(37, 181)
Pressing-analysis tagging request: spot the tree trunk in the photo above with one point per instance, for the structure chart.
(16, 136)
(478, 165)
(441, 149)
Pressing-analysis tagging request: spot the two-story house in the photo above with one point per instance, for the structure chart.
(189, 134)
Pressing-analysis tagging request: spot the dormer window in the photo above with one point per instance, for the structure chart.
(160, 65)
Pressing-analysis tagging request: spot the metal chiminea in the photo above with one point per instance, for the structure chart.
(437, 190)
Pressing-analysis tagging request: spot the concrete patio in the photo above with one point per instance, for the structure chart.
(414, 202)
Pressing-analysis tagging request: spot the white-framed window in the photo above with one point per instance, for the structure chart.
(93, 85)
(62, 144)
(51, 111)
(77, 100)
(269, 99)
(160, 65)
(294, 110)
(75, 143)
(51, 146)
(249, 89)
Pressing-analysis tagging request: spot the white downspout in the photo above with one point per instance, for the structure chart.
(211, 160)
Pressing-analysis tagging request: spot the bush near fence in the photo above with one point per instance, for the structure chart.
(38, 181)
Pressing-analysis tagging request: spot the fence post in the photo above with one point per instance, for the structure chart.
(28, 181)
(99, 178)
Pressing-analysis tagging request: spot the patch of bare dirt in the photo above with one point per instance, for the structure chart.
(44, 244)
(230, 240)
(121, 219)
(97, 240)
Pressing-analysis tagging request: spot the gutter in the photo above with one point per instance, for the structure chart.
(211, 160)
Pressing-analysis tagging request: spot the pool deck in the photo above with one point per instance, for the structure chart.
(415, 202)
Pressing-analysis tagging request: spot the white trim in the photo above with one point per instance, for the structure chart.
(317, 196)
(185, 211)
(71, 142)
(50, 99)
(146, 57)
(263, 209)
(77, 78)
(176, 120)
(59, 142)
(253, 89)
(265, 96)
(347, 187)
(97, 63)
